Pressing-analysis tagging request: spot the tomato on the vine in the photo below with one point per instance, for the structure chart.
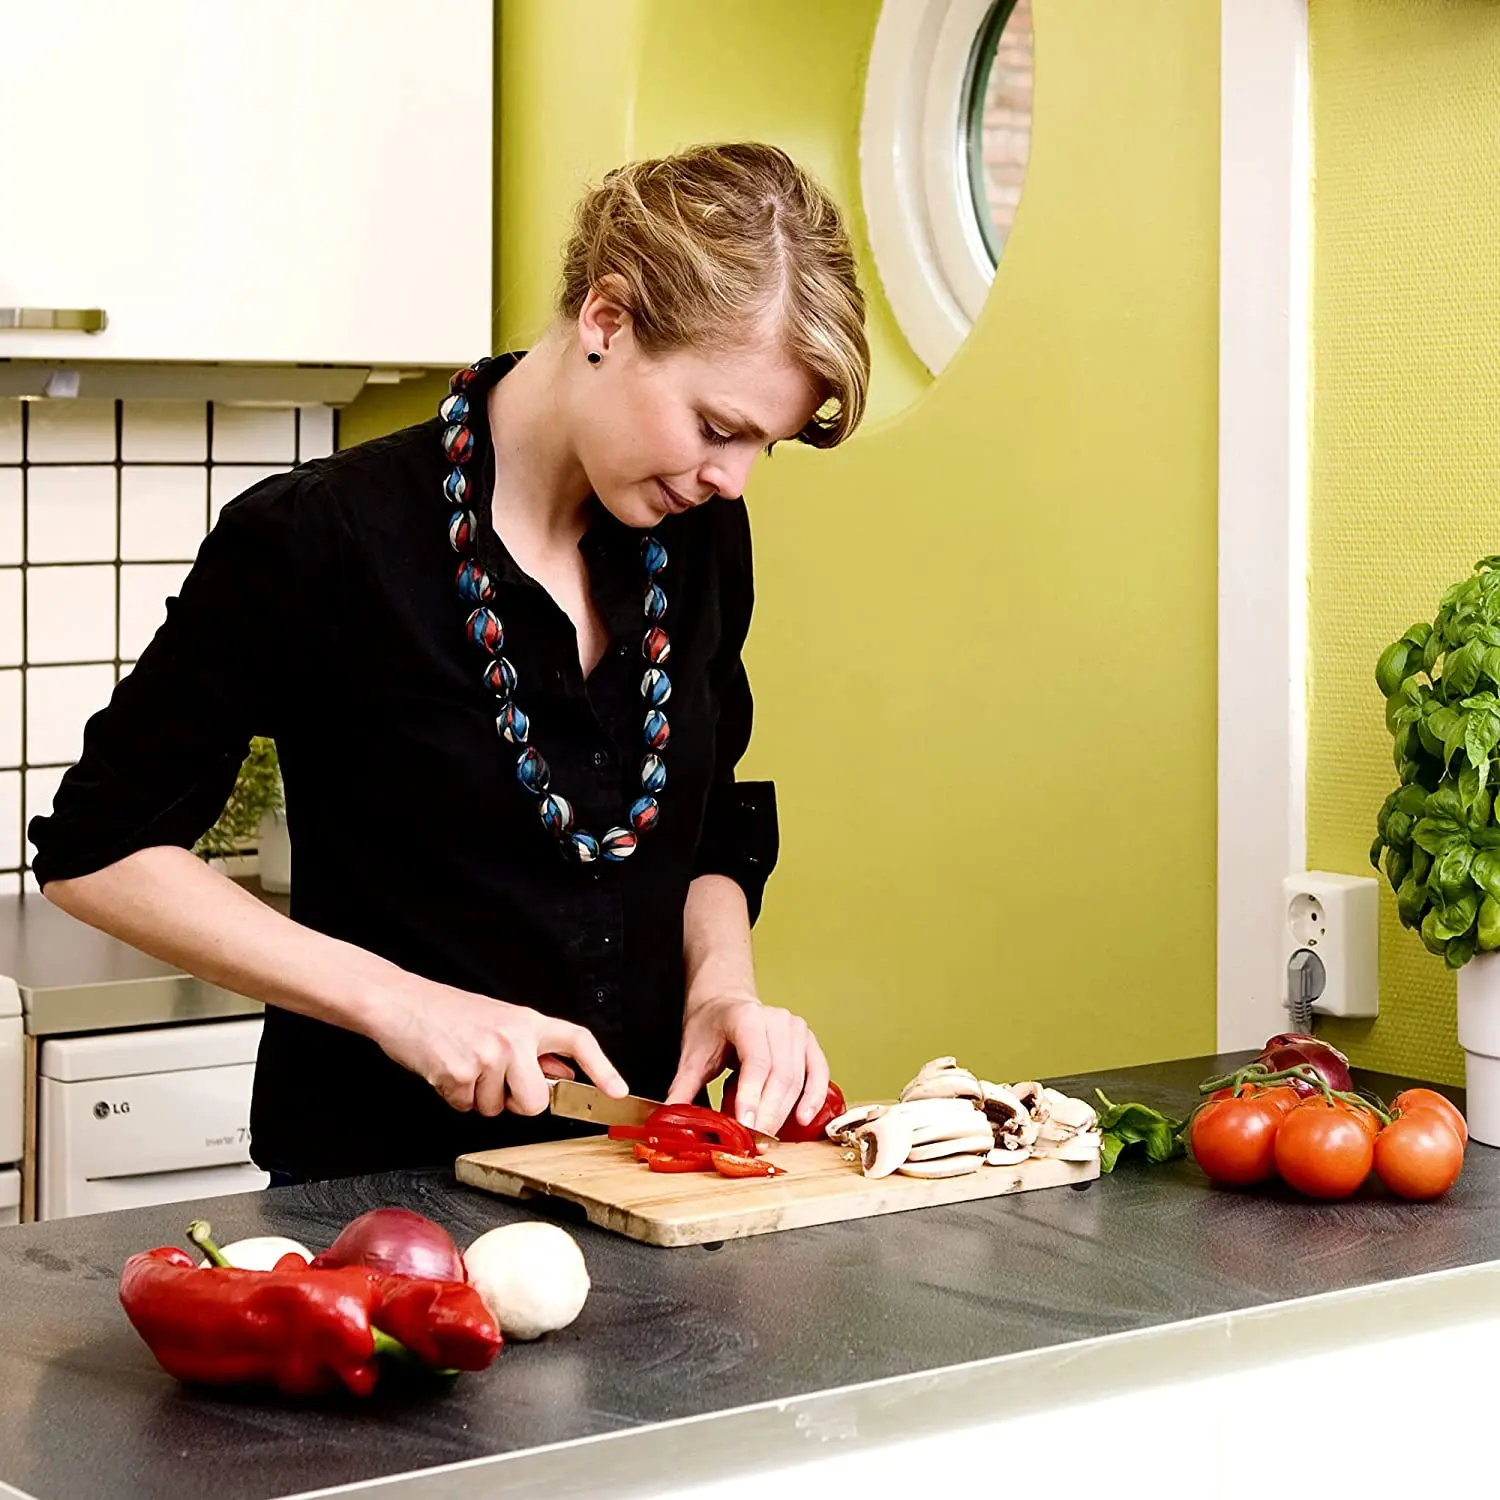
(1419, 1155)
(1234, 1139)
(1410, 1099)
(1322, 1150)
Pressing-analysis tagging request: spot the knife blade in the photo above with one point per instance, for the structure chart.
(572, 1100)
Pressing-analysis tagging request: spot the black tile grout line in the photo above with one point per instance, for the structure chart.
(97, 562)
(208, 469)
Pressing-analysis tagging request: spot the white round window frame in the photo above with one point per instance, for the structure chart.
(914, 173)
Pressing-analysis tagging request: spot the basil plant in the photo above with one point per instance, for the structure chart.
(1437, 831)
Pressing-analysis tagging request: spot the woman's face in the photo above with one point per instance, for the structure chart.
(661, 434)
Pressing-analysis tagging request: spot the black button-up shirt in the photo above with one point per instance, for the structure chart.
(322, 611)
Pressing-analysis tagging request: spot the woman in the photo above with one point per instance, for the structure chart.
(471, 907)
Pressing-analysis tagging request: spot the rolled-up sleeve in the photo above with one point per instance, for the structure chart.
(740, 836)
(160, 760)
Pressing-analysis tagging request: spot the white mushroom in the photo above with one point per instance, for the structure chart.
(947, 1166)
(1084, 1145)
(844, 1125)
(1069, 1114)
(883, 1145)
(531, 1276)
(937, 1065)
(954, 1145)
(953, 1083)
(961, 1114)
(1007, 1156)
(1033, 1100)
(1008, 1118)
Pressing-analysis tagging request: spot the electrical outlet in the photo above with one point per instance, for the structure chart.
(1330, 944)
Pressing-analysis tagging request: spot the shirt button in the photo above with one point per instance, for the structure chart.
(600, 759)
(624, 648)
(601, 995)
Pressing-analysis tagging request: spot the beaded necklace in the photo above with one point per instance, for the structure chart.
(485, 629)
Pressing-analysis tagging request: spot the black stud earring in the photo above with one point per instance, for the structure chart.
(595, 357)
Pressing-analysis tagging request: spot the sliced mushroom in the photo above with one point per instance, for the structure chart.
(1007, 1156)
(1008, 1118)
(1033, 1100)
(883, 1145)
(961, 1114)
(947, 1166)
(953, 1145)
(1067, 1113)
(954, 1083)
(1082, 1146)
(937, 1065)
(847, 1123)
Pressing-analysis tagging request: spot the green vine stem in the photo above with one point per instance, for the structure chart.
(1262, 1077)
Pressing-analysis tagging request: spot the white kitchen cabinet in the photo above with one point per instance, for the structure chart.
(270, 181)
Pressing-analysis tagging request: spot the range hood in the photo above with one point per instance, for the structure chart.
(242, 384)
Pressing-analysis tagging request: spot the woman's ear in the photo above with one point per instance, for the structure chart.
(604, 316)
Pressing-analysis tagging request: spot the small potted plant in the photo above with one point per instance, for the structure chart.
(254, 817)
(1437, 831)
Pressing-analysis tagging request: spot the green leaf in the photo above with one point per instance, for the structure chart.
(1397, 867)
(1418, 634)
(1411, 901)
(1488, 934)
(1450, 873)
(1430, 938)
(1460, 950)
(1432, 649)
(1492, 664)
(1434, 834)
(1390, 670)
(1485, 872)
(1421, 863)
(1461, 669)
(1446, 802)
(1453, 920)
(1125, 1125)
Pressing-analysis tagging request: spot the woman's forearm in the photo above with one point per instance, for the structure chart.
(170, 904)
(716, 941)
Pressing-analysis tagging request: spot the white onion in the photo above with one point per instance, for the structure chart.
(261, 1253)
(531, 1276)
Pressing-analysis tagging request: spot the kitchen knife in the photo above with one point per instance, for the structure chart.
(573, 1100)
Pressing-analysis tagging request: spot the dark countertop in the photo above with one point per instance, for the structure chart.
(762, 1323)
(74, 978)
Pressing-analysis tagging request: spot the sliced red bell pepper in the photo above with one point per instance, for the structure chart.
(663, 1161)
(708, 1125)
(727, 1164)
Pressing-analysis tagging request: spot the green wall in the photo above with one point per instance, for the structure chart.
(984, 650)
(1405, 397)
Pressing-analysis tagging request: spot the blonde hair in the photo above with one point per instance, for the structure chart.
(701, 246)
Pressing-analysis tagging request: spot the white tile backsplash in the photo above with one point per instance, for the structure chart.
(228, 481)
(59, 701)
(254, 435)
(39, 789)
(10, 617)
(144, 590)
(10, 885)
(10, 719)
(70, 613)
(71, 432)
(70, 514)
(10, 516)
(163, 511)
(10, 817)
(65, 513)
(164, 432)
(315, 433)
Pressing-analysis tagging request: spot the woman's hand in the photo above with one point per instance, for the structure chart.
(780, 1062)
(484, 1054)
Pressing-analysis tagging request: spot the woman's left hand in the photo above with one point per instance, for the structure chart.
(781, 1065)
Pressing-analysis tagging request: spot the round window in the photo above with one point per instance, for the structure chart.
(999, 120)
(943, 151)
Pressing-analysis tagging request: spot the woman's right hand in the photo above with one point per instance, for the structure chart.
(485, 1054)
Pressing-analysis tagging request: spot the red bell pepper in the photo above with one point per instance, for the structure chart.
(305, 1332)
(444, 1323)
(726, 1164)
(709, 1126)
(665, 1161)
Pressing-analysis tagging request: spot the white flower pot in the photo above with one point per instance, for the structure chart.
(1479, 1036)
(275, 846)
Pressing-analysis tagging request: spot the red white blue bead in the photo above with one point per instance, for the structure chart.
(486, 630)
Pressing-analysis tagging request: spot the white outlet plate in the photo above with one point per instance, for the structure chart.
(1337, 918)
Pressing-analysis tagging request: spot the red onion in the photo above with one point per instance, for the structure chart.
(1291, 1049)
(398, 1242)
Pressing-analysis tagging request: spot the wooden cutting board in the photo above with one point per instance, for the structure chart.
(695, 1208)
